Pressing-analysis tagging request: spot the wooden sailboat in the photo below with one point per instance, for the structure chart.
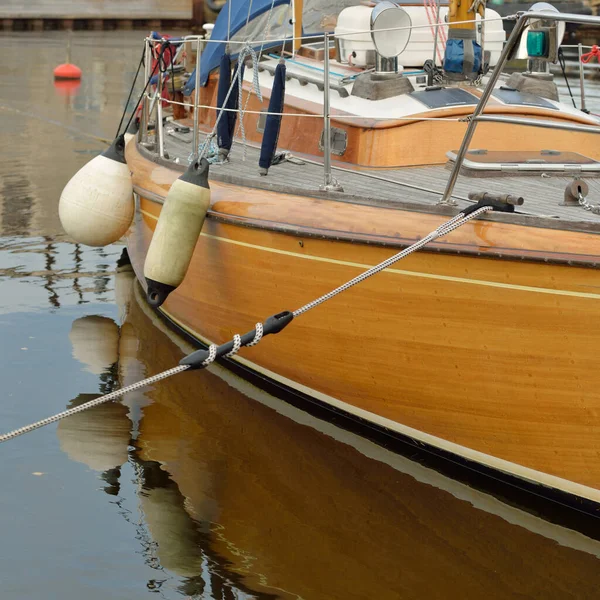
(478, 349)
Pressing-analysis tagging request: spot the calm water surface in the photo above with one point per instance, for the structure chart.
(201, 487)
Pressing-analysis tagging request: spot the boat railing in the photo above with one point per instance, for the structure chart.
(153, 101)
(582, 65)
(477, 116)
(329, 182)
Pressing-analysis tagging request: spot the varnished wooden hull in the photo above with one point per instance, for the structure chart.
(290, 509)
(486, 359)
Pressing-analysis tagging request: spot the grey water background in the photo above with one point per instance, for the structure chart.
(192, 489)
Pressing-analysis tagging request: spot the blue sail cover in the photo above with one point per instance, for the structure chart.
(211, 56)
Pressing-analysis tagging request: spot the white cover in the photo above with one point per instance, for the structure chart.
(420, 46)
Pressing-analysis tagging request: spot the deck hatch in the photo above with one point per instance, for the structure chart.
(517, 98)
(444, 97)
(494, 162)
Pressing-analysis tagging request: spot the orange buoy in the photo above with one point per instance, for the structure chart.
(67, 71)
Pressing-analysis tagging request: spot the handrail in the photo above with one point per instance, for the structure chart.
(575, 46)
(543, 123)
(557, 16)
(507, 51)
(305, 78)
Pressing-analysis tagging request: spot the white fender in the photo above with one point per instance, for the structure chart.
(176, 233)
(96, 207)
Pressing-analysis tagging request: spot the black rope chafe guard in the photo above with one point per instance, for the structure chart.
(201, 359)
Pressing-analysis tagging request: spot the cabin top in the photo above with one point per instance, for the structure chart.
(250, 19)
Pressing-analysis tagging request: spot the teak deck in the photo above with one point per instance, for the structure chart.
(424, 185)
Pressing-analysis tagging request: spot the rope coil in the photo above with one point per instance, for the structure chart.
(247, 51)
(587, 57)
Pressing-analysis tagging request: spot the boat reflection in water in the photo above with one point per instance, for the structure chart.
(244, 496)
(98, 437)
(103, 438)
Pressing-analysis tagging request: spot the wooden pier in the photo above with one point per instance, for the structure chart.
(39, 15)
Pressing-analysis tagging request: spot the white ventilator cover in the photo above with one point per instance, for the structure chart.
(95, 342)
(350, 21)
(390, 26)
(539, 7)
(176, 233)
(96, 207)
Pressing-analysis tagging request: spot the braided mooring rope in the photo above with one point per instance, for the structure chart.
(442, 230)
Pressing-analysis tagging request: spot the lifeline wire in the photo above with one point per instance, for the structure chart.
(274, 324)
(561, 61)
(131, 92)
(164, 45)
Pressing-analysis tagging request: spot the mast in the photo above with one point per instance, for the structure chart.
(297, 6)
(462, 10)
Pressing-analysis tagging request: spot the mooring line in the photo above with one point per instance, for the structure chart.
(274, 324)
(101, 400)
